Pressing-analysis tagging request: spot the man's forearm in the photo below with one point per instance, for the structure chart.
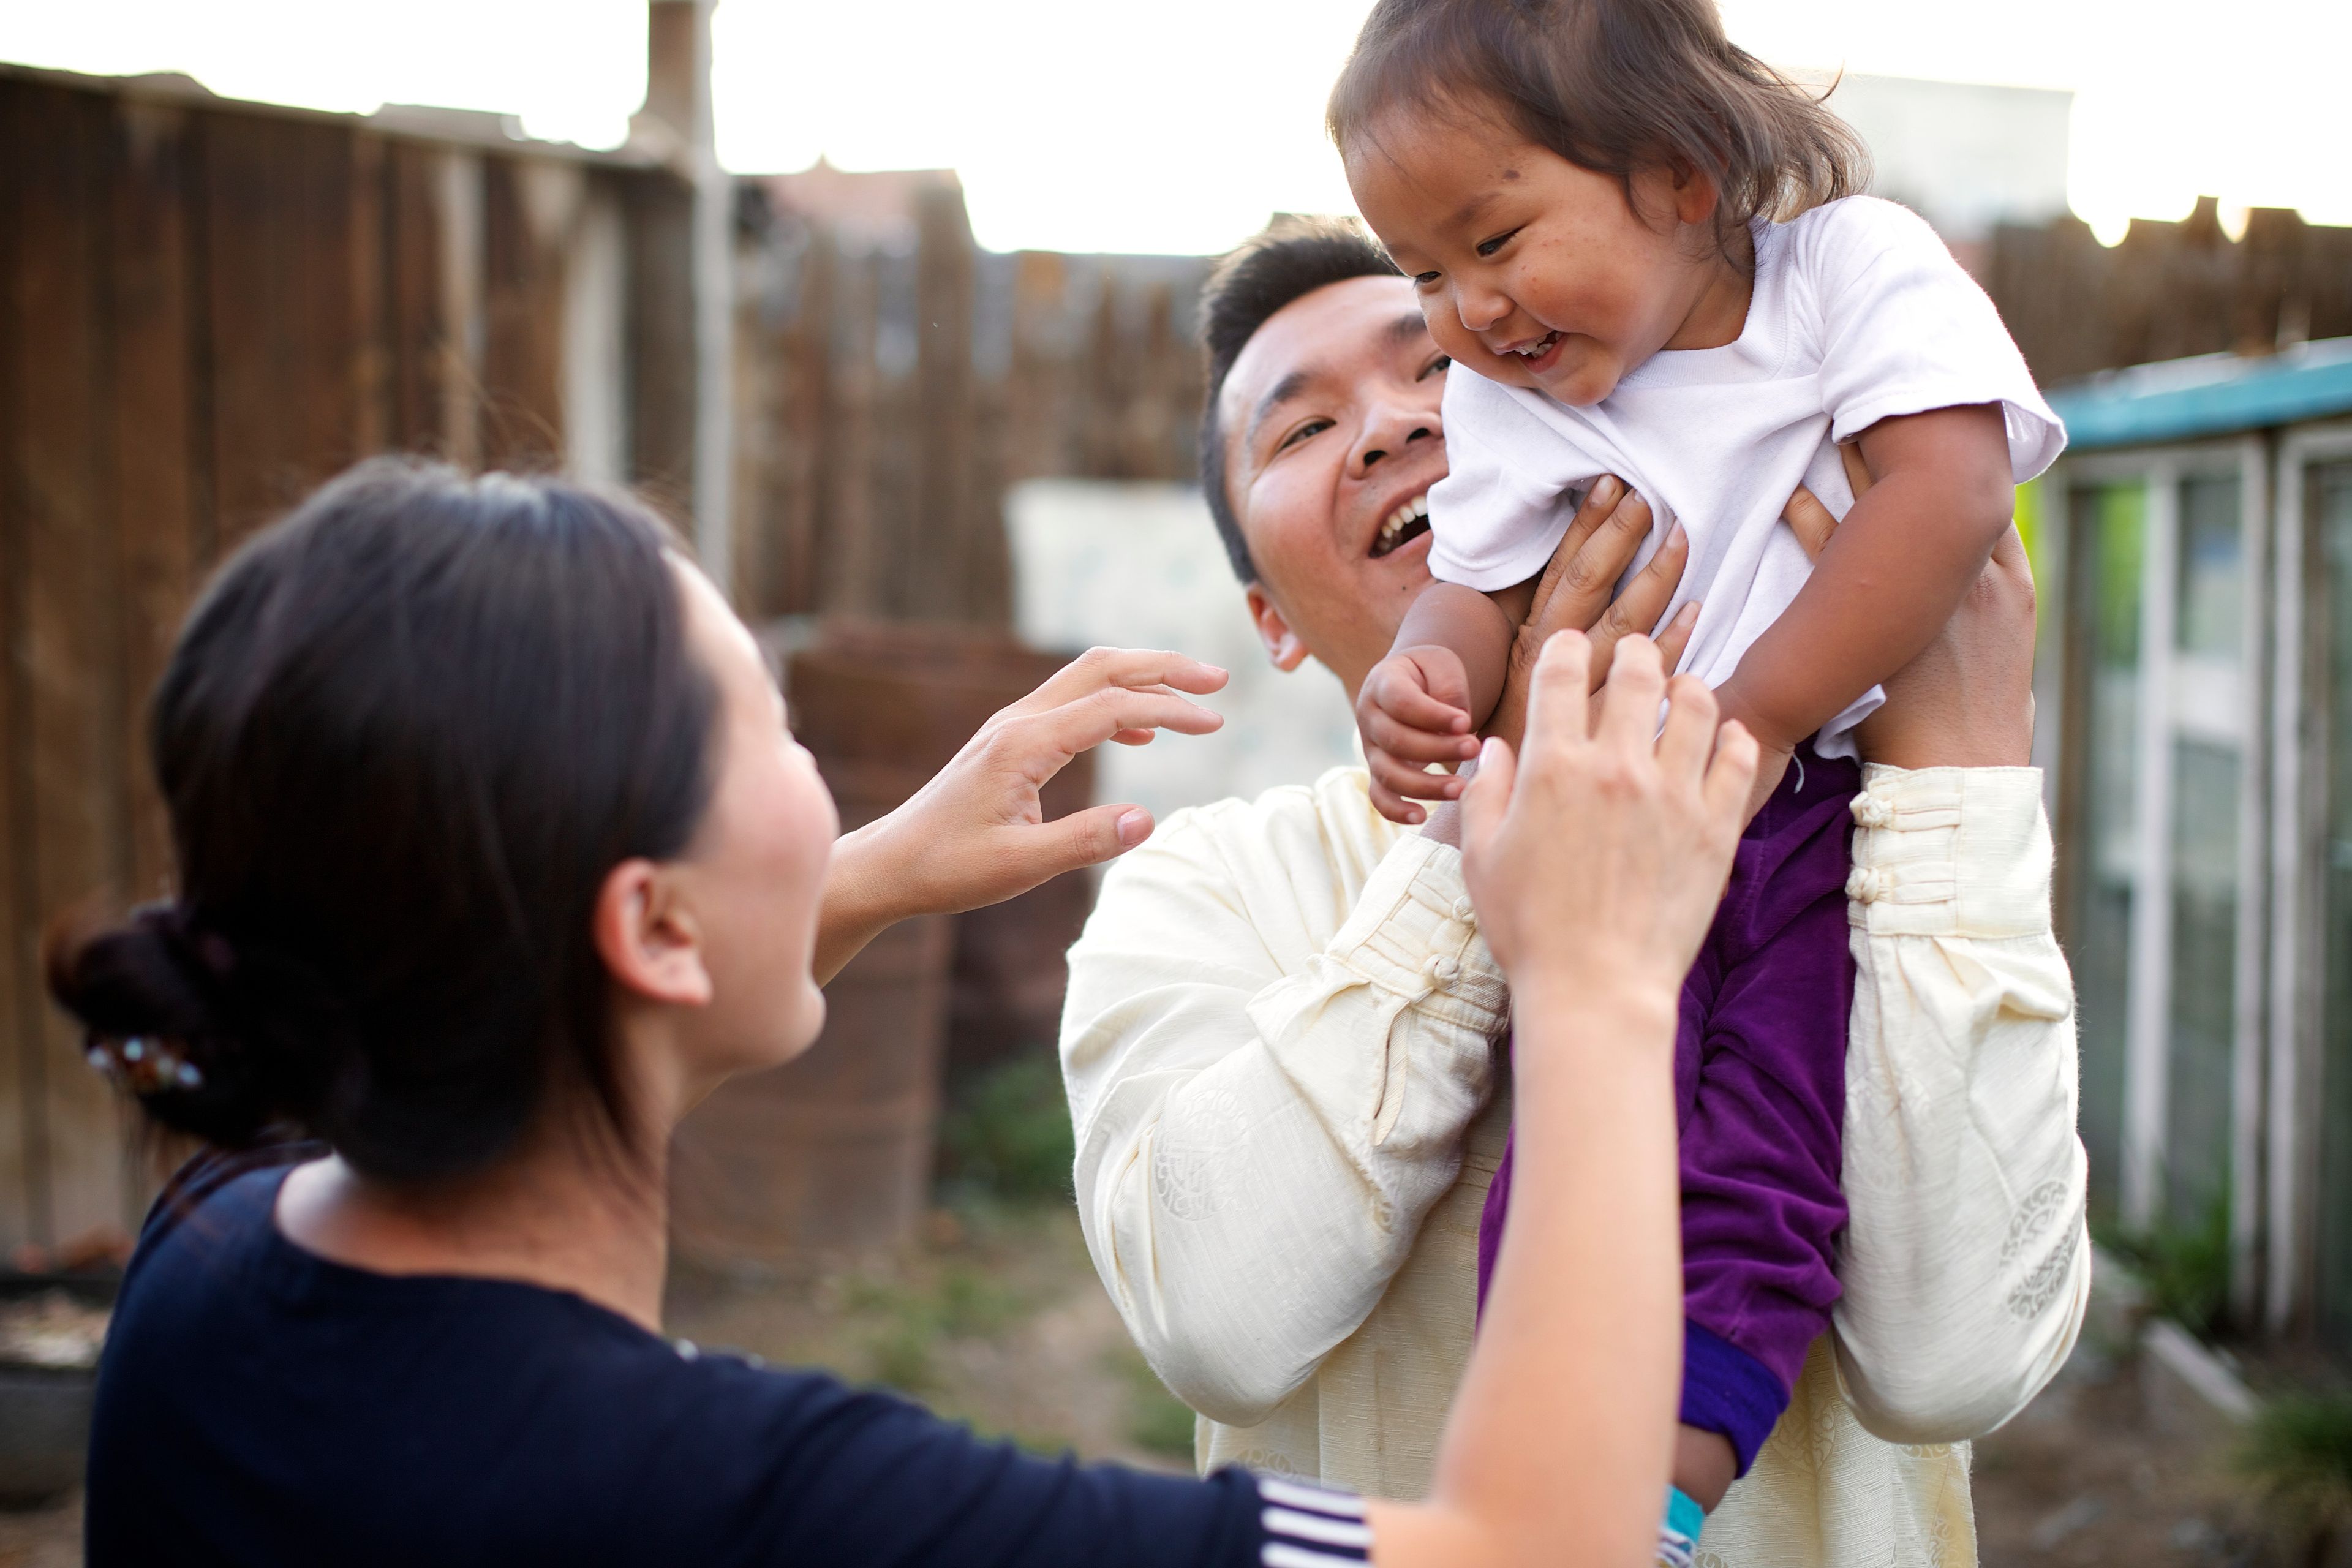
(1253, 1109)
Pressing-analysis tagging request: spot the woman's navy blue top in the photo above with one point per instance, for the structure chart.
(259, 1405)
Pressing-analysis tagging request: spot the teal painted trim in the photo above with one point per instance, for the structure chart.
(2215, 395)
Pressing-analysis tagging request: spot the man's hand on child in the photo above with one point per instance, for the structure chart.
(1412, 711)
(1968, 700)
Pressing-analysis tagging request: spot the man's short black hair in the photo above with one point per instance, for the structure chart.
(1292, 259)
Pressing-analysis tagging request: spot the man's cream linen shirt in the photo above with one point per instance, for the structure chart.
(1280, 1051)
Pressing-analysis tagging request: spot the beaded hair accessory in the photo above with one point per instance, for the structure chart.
(147, 1064)
(144, 1063)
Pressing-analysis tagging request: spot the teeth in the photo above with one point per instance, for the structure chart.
(1396, 521)
(1538, 349)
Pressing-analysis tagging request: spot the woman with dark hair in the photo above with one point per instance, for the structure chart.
(495, 856)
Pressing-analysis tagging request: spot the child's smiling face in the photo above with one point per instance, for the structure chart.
(1535, 272)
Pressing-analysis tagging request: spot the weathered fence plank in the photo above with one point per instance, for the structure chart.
(155, 522)
(71, 671)
(23, 1159)
(253, 364)
(661, 339)
(963, 573)
(414, 334)
(527, 214)
(328, 330)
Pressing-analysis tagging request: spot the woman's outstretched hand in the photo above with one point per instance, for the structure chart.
(1595, 856)
(1577, 592)
(976, 833)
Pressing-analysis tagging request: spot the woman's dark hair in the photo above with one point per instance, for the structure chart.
(1612, 86)
(405, 735)
(1289, 260)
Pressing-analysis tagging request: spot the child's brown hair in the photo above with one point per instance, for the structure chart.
(1612, 86)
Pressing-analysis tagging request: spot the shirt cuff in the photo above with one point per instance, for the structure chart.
(1951, 852)
(1414, 934)
(1726, 1390)
(1304, 1525)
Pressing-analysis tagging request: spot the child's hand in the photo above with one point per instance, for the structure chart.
(1414, 710)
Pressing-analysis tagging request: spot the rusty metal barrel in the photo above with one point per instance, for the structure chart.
(831, 1153)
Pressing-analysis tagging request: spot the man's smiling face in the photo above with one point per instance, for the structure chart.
(1333, 437)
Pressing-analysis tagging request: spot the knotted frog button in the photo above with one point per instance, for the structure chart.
(1870, 811)
(1868, 884)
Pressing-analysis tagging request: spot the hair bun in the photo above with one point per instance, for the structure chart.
(154, 992)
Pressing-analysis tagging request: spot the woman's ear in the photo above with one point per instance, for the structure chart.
(1282, 644)
(649, 939)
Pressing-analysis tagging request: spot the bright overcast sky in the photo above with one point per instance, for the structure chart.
(1124, 125)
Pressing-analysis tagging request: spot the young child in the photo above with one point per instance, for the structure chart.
(1639, 244)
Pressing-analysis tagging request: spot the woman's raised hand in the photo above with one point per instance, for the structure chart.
(1597, 854)
(1577, 592)
(976, 833)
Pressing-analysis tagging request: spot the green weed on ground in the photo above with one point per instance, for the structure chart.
(1156, 1422)
(2298, 1453)
(1004, 1155)
(1005, 1132)
(912, 1318)
(2186, 1268)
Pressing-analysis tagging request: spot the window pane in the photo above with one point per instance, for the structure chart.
(2207, 699)
(2212, 576)
(2331, 700)
(2109, 529)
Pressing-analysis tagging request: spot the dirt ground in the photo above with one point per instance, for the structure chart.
(2094, 1473)
(997, 1319)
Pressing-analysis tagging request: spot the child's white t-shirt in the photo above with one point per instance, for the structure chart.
(1858, 313)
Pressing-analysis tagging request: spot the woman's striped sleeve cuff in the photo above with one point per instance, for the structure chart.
(1308, 1526)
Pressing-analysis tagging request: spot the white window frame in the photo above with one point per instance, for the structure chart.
(2148, 1010)
(2295, 982)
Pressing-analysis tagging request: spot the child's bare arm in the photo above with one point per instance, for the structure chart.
(1422, 703)
(1894, 571)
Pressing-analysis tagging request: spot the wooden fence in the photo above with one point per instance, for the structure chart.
(894, 380)
(2169, 290)
(206, 308)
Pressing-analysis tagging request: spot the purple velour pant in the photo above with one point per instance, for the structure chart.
(1759, 1096)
